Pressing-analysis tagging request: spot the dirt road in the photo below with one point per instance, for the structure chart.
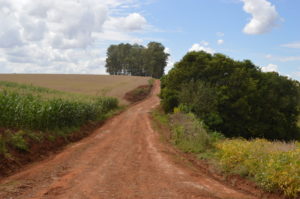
(123, 159)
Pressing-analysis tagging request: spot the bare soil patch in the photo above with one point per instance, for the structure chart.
(18, 159)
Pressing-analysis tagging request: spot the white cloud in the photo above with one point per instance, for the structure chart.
(132, 22)
(54, 36)
(283, 58)
(220, 41)
(10, 32)
(170, 61)
(270, 68)
(264, 16)
(167, 50)
(292, 45)
(297, 74)
(202, 46)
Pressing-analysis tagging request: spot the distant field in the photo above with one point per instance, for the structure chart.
(95, 85)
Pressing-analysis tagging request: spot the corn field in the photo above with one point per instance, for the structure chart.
(32, 112)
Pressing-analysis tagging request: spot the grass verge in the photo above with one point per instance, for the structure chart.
(274, 166)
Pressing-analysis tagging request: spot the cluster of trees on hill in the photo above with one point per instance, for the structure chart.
(137, 60)
(233, 97)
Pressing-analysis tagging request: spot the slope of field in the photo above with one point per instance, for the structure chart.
(95, 85)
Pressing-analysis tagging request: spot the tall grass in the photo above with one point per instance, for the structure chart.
(189, 133)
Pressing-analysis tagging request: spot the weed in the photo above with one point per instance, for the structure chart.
(17, 141)
(189, 134)
(272, 165)
(3, 147)
(151, 82)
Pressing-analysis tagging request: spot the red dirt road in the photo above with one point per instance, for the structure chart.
(123, 159)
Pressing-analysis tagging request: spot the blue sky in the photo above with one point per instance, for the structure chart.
(72, 36)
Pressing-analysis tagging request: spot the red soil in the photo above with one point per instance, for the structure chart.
(125, 158)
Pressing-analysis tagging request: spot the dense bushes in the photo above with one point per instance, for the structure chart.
(233, 97)
(19, 111)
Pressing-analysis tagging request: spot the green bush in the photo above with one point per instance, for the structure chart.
(18, 141)
(169, 99)
(3, 147)
(189, 133)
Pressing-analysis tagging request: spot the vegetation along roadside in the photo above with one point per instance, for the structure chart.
(273, 166)
(34, 117)
(139, 93)
(256, 112)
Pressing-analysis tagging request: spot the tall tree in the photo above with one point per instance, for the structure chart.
(127, 59)
(234, 97)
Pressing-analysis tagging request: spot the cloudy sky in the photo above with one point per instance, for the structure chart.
(71, 36)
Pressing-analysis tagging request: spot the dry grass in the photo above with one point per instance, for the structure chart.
(95, 85)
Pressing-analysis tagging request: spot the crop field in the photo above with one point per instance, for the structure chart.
(27, 110)
(93, 85)
(38, 110)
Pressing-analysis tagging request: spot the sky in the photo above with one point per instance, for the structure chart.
(71, 36)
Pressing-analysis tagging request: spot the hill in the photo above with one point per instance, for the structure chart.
(94, 85)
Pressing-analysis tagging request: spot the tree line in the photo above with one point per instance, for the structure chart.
(137, 60)
(233, 97)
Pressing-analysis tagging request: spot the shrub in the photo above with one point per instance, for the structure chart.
(189, 133)
(273, 165)
(3, 147)
(18, 141)
(169, 99)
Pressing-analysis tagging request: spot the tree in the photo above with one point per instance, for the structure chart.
(127, 59)
(233, 97)
(156, 59)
